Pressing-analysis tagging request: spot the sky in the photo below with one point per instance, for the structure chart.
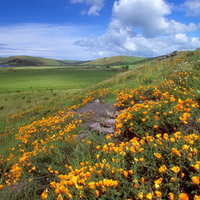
(91, 29)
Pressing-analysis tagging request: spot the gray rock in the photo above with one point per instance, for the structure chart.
(83, 135)
(97, 101)
(106, 131)
(95, 127)
(110, 122)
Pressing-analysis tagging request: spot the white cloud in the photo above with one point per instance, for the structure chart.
(192, 7)
(149, 16)
(141, 28)
(96, 6)
(45, 40)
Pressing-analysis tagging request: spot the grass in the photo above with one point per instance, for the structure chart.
(155, 154)
(25, 87)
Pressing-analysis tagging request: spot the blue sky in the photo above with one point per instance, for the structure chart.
(90, 29)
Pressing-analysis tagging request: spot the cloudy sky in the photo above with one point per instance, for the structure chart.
(90, 29)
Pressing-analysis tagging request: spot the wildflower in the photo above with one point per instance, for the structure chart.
(155, 126)
(149, 196)
(175, 151)
(98, 147)
(156, 117)
(91, 185)
(164, 113)
(82, 163)
(185, 147)
(196, 179)
(59, 197)
(131, 171)
(175, 169)
(140, 195)
(125, 174)
(97, 156)
(158, 182)
(44, 195)
(157, 155)
(196, 197)
(171, 196)
(163, 168)
(158, 194)
(182, 175)
(183, 196)
(196, 166)
(97, 193)
(142, 179)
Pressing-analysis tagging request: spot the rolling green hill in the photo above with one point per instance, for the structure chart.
(40, 61)
(115, 60)
(30, 60)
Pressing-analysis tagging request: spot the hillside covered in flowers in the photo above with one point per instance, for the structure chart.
(153, 154)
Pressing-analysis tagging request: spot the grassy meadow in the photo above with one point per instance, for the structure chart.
(41, 156)
(24, 87)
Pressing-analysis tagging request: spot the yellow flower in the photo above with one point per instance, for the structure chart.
(158, 194)
(140, 195)
(131, 171)
(158, 182)
(196, 179)
(125, 174)
(91, 185)
(196, 197)
(175, 151)
(155, 126)
(149, 196)
(44, 195)
(175, 169)
(59, 197)
(98, 147)
(97, 193)
(163, 168)
(155, 117)
(98, 156)
(182, 175)
(171, 196)
(157, 155)
(183, 196)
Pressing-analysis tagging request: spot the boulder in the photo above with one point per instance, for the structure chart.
(110, 123)
(106, 131)
(95, 127)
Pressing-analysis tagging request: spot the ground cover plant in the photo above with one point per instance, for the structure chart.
(153, 155)
(25, 87)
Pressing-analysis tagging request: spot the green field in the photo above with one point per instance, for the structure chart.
(23, 87)
(29, 79)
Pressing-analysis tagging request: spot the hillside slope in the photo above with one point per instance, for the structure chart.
(49, 152)
(31, 61)
(115, 60)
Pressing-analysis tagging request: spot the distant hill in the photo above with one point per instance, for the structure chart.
(31, 61)
(2, 59)
(75, 62)
(40, 61)
(115, 60)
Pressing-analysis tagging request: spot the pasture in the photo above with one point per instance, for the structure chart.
(25, 87)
